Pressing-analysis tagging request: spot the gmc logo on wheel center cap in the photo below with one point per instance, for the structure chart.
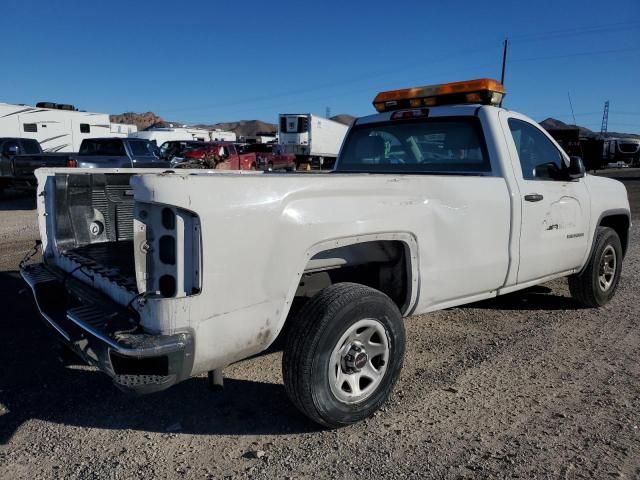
(361, 360)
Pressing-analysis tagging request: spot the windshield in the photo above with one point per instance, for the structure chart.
(102, 147)
(437, 145)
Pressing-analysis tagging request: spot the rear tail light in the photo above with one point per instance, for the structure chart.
(72, 163)
(169, 244)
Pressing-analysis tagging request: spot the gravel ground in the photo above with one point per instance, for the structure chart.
(527, 385)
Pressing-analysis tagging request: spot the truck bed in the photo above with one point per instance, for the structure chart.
(112, 260)
(25, 165)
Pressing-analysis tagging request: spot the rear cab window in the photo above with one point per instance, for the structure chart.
(31, 147)
(438, 145)
(106, 147)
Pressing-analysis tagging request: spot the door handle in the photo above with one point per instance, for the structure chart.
(533, 197)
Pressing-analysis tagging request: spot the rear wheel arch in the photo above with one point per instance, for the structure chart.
(388, 262)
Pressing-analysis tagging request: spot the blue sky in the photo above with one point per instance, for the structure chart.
(210, 61)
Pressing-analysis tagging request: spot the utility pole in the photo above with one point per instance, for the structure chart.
(605, 119)
(504, 59)
(504, 64)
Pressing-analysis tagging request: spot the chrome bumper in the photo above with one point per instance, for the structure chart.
(108, 335)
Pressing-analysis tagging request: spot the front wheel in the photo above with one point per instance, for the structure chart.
(343, 354)
(598, 281)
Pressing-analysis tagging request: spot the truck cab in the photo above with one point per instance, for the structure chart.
(218, 156)
(113, 152)
(269, 156)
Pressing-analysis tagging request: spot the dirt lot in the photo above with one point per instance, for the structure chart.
(528, 385)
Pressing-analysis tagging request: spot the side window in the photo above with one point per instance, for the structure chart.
(10, 147)
(85, 128)
(539, 158)
(30, 127)
(140, 149)
(31, 147)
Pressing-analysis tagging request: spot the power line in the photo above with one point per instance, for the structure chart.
(588, 30)
(580, 54)
(360, 78)
(576, 31)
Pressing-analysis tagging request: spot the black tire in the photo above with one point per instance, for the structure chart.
(270, 167)
(314, 335)
(585, 286)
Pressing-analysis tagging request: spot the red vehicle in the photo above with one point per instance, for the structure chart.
(218, 155)
(269, 156)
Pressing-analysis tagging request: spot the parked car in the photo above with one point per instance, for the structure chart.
(172, 151)
(622, 150)
(19, 157)
(216, 155)
(118, 153)
(270, 156)
(438, 200)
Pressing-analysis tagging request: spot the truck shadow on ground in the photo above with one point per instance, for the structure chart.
(11, 200)
(538, 297)
(34, 384)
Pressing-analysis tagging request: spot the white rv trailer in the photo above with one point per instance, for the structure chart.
(160, 135)
(58, 128)
(262, 138)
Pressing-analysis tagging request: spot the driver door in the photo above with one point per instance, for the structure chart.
(554, 210)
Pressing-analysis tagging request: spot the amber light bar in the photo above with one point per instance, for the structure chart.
(484, 91)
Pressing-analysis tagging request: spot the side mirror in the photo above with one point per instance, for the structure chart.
(576, 168)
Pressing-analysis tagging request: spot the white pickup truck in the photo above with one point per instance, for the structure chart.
(441, 199)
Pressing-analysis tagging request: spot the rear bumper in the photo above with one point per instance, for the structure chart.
(108, 335)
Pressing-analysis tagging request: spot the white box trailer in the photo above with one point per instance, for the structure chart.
(162, 135)
(58, 127)
(314, 140)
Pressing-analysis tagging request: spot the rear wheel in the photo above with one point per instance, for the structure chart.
(597, 283)
(343, 354)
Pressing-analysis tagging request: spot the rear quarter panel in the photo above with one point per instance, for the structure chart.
(259, 231)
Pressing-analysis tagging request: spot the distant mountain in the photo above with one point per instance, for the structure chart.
(149, 119)
(245, 128)
(553, 123)
(140, 120)
(344, 118)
